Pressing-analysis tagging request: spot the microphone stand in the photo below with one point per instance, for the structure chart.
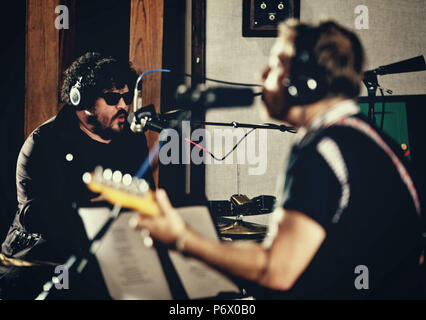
(238, 227)
(282, 128)
(370, 78)
(371, 82)
(75, 264)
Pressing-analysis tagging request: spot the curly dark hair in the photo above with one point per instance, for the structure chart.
(98, 73)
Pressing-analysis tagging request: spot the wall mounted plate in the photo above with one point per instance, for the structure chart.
(261, 17)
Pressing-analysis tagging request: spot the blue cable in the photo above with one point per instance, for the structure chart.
(156, 148)
(152, 71)
(148, 161)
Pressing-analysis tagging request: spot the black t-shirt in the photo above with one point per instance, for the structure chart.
(125, 153)
(343, 180)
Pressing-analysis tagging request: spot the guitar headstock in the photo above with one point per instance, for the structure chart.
(128, 191)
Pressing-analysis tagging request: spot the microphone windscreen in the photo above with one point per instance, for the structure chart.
(228, 97)
(216, 97)
(130, 118)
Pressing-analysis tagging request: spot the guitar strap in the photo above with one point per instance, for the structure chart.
(366, 129)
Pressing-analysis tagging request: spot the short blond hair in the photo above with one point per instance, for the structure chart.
(336, 51)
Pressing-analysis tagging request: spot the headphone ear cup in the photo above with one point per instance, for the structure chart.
(304, 90)
(75, 93)
(292, 97)
(75, 96)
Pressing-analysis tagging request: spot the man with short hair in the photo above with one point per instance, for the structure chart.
(348, 221)
(90, 130)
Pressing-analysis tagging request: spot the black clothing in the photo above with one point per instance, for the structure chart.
(377, 226)
(50, 187)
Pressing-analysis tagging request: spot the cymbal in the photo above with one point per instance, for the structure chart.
(243, 228)
(172, 111)
(13, 262)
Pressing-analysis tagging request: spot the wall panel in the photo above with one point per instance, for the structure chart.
(42, 58)
(146, 45)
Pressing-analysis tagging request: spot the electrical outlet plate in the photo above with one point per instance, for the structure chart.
(261, 17)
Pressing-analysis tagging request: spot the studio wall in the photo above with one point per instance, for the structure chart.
(231, 57)
(396, 31)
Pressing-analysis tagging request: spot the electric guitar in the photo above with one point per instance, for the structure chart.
(128, 191)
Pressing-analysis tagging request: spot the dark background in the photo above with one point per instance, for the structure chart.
(12, 101)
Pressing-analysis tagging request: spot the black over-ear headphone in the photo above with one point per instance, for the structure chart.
(307, 81)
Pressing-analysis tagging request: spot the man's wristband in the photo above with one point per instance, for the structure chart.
(180, 241)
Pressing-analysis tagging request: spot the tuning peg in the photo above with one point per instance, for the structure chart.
(116, 177)
(143, 186)
(87, 177)
(127, 180)
(98, 173)
(107, 175)
(133, 187)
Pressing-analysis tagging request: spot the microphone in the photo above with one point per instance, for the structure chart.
(145, 118)
(216, 97)
(408, 65)
(144, 112)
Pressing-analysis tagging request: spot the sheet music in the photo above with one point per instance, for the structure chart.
(131, 271)
(93, 219)
(199, 279)
(134, 272)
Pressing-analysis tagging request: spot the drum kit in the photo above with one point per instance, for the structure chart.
(232, 223)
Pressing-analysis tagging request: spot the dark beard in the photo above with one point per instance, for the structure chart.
(107, 133)
(104, 133)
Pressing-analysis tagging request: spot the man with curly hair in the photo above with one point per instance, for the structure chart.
(90, 130)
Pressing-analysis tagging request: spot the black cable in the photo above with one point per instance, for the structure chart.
(235, 147)
(226, 156)
(231, 83)
(281, 127)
